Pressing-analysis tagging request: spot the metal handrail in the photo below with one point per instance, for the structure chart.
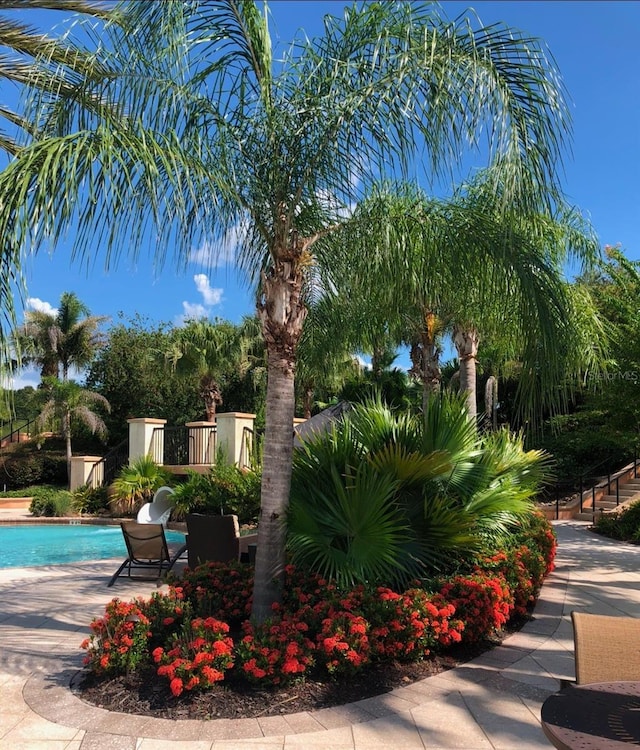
(611, 479)
(23, 428)
(111, 464)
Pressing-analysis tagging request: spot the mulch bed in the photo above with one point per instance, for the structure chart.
(146, 694)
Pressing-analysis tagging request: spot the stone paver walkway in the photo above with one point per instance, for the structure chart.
(491, 702)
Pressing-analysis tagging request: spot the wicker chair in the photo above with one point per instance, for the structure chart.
(607, 648)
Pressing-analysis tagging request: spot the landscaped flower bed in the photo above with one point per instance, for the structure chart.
(198, 633)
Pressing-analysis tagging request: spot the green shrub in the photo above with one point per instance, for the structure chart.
(29, 491)
(49, 501)
(225, 489)
(90, 500)
(624, 526)
(136, 485)
(385, 497)
(35, 469)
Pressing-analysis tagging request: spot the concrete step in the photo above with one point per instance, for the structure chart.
(606, 505)
(583, 517)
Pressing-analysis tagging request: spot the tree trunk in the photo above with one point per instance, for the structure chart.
(491, 401)
(66, 434)
(308, 402)
(282, 313)
(466, 341)
(425, 359)
(211, 395)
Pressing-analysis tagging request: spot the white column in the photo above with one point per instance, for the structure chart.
(86, 469)
(230, 428)
(143, 442)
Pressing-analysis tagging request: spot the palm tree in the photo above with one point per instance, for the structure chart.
(61, 340)
(196, 132)
(36, 59)
(66, 401)
(213, 350)
(465, 267)
(54, 65)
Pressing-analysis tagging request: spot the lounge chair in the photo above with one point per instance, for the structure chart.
(159, 509)
(147, 548)
(212, 539)
(607, 648)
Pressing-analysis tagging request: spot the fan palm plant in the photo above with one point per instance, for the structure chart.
(136, 484)
(197, 132)
(384, 497)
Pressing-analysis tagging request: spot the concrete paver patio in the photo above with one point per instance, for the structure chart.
(491, 702)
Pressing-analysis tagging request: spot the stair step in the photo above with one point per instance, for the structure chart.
(624, 490)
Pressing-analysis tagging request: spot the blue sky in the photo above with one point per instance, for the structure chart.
(596, 50)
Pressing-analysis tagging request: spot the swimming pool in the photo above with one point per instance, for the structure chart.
(53, 544)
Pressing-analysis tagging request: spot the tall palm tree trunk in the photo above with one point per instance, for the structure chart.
(466, 341)
(211, 395)
(66, 434)
(425, 366)
(425, 358)
(282, 313)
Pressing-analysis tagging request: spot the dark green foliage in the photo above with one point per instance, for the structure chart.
(49, 501)
(225, 489)
(589, 443)
(624, 525)
(22, 470)
(130, 373)
(90, 500)
(136, 484)
(390, 386)
(602, 427)
(40, 461)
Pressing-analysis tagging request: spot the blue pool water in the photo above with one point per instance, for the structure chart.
(53, 544)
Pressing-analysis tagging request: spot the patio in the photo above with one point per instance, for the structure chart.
(492, 702)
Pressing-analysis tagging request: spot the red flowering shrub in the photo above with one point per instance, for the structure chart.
(167, 613)
(482, 601)
(511, 565)
(119, 640)
(537, 533)
(220, 590)
(409, 625)
(186, 631)
(275, 653)
(303, 589)
(343, 643)
(197, 657)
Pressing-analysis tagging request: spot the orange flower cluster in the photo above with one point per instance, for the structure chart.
(198, 657)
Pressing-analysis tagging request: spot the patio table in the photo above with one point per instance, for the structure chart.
(600, 716)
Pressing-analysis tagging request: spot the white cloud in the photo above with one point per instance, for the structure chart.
(211, 296)
(27, 376)
(191, 311)
(33, 303)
